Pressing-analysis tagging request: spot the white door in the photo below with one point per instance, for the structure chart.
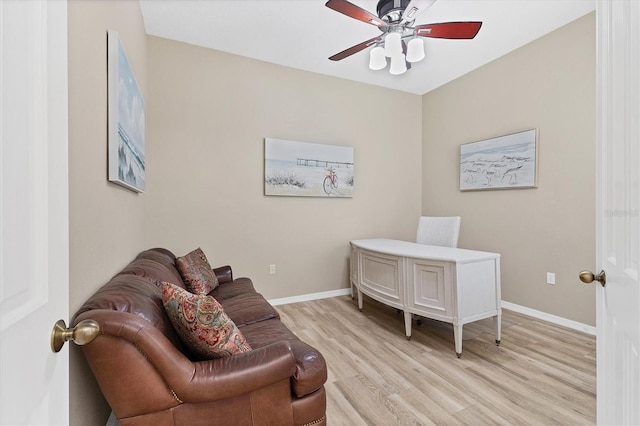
(618, 233)
(34, 260)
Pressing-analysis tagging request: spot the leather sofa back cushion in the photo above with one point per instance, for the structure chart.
(202, 324)
(196, 272)
(138, 296)
(154, 271)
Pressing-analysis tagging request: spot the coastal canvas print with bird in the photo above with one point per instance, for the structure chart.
(504, 162)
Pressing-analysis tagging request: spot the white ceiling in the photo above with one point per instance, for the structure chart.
(302, 34)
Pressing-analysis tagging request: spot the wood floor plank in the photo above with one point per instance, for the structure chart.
(479, 415)
(540, 374)
(371, 402)
(339, 409)
(423, 408)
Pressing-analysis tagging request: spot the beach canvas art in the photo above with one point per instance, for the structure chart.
(504, 162)
(303, 169)
(126, 120)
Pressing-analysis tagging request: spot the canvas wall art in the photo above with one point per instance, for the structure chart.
(504, 162)
(126, 120)
(303, 169)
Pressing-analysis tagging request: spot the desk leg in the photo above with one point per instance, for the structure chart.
(408, 316)
(353, 290)
(457, 337)
(359, 298)
(497, 322)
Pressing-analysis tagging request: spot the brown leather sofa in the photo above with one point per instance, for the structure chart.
(149, 377)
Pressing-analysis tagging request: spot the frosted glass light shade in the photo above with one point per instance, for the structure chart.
(377, 60)
(415, 50)
(392, 44)
(398, 64)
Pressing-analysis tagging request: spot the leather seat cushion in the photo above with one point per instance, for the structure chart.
(311, 370)
(248, 308)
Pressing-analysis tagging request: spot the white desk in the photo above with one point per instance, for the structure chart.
(453, 285)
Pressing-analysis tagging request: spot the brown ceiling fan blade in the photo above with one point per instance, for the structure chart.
(453, 30)
(353, 11)
(355, 49)
(414, 8)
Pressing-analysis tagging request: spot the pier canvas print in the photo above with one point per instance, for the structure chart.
(126, 120)
(303, 169)
(504, 162)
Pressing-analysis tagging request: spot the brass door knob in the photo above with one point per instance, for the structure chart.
(81, 334)
(588, 277)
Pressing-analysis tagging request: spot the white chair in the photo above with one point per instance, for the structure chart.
(438, 231)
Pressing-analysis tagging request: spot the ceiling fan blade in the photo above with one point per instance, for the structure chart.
(353, 11)
(355, 49)
(452, 30)
(414, 8)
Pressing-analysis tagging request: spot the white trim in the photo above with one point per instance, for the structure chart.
(564, 322)
(312, 296)
(550, 318)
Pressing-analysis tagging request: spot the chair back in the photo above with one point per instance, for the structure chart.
(438, 231)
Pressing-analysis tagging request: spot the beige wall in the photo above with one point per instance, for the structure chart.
(209, 113)
(107, 222)
(548, 85)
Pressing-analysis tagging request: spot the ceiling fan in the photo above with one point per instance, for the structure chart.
(395, 20)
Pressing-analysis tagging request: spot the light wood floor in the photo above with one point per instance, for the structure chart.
(540, 374)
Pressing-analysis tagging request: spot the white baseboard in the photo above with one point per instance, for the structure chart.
(312, 296)
(550, 318)
(554, 319)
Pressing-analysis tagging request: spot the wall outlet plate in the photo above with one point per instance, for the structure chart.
(551, 278)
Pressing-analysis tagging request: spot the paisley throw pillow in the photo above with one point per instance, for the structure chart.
(196, 272)
(202, 324)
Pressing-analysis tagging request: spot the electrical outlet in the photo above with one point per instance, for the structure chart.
(551, 278)
(272, 269)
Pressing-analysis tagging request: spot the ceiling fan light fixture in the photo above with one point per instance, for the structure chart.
(398, 64)
(415, 50)
(400, 40)
(392, 44)
(377, 60)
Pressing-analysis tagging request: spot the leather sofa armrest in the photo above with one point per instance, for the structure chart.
(311, 369)
(199, 381)
(239, 374)
(224, 274)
